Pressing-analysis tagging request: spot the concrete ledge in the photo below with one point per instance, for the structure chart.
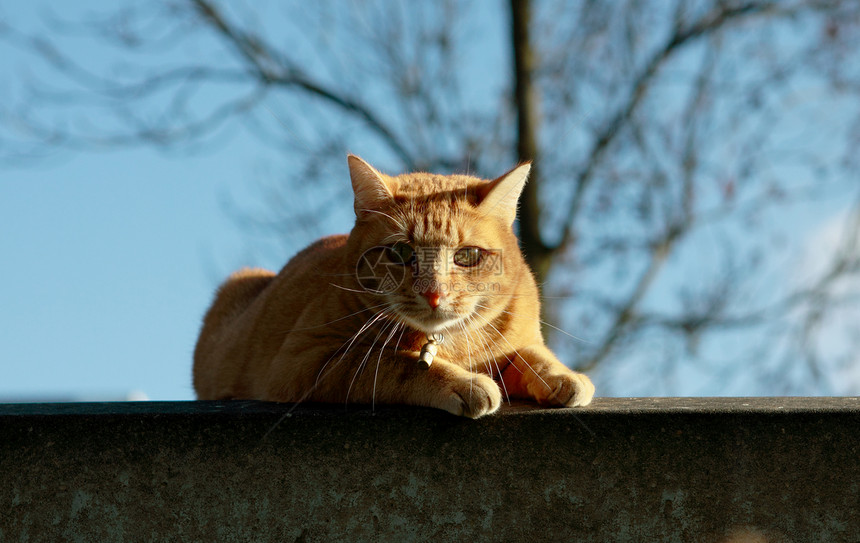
(647, 469)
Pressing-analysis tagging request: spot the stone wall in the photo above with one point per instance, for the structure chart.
(649, 469)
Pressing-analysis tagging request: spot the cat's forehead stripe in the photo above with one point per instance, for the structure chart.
(434, 224)
(437, 208)
(453, 187)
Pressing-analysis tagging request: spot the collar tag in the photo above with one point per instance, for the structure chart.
(429, 349)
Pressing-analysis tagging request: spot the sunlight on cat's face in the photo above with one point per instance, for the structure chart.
(439, 250)
(442, 285)
(431, 259)
(437, 268)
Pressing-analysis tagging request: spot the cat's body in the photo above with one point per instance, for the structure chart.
(345, 319)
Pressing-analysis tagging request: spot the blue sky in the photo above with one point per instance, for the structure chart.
(108, 263)
(108, 260)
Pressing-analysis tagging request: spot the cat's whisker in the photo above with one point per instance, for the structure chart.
(402, 331)
(366, 290)
(502, 381)
(554, 327)
(469, 354)
(397, 324)
(341, 318)
(396, 236)
(488, 352)
(515, 351)
(482, 344)
(486, 294)
(398, 223)
(396, 348)
(364, 360)
(311, 390)
(364, 328)
(492, 359)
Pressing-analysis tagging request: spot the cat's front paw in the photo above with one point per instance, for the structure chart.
(564, 390)
(474, 396)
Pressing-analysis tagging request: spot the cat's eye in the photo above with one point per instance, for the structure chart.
(402, 253)
(469, 257)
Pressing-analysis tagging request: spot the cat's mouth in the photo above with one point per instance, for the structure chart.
(428, 321)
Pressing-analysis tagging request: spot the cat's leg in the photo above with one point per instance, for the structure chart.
(389, 379)
(403, 380)
(536, 374)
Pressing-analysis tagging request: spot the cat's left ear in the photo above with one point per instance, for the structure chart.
(372, 189)
(499, 197)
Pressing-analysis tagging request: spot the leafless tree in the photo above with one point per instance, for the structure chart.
(670, 140)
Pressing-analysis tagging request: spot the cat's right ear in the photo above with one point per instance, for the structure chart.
(372, 189)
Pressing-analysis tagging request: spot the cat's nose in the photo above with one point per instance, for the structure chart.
(434, 297)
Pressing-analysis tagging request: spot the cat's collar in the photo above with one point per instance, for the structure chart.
(429, 349)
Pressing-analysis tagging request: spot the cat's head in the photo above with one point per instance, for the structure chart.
(436, 251)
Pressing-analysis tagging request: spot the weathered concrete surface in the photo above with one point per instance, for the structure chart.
(641, 470)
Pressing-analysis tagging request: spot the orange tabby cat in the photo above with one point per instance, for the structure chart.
(431, 257)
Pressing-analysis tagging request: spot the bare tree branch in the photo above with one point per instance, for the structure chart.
(682, 36)
(273, 70)
(653, 128)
